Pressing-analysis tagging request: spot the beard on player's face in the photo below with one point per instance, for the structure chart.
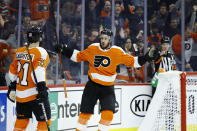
(105, 41)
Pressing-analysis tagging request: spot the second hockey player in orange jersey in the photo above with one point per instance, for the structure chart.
(21, 68)
(103, 63)
(24, 88)
(103, 60)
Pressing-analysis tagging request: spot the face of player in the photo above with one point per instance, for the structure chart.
(105, 41)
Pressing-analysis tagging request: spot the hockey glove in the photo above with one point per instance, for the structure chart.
(42, 91)
(152, 54)
(156, 55)
(12, 92)
(64, 49)
(147, 57)
(58, 48)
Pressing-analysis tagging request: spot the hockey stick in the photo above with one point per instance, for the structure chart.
(63, 77)
(60, 58)
(57, 41)
(42, 104)
(51, 52)
(61, 65)
(64, 84)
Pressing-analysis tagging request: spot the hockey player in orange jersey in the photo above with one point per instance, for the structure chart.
(23, 88)
(103, 60)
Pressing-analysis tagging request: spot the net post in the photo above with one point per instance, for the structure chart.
(183, 102)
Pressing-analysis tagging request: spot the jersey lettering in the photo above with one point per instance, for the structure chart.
(23, 56)
(101, 60)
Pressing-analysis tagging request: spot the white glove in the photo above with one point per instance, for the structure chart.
(12, 96)
(12, 91)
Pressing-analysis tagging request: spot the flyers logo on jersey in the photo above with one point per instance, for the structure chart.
(101, 60)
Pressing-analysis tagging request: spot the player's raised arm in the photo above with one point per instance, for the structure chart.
(138, 61)
(152, 54)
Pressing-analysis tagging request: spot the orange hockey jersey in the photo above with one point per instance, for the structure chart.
(103, 63)
(20, 70)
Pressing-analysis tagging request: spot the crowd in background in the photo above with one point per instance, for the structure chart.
(164, 19)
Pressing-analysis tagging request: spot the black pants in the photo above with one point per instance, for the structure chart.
(94, 92)
(24, 110)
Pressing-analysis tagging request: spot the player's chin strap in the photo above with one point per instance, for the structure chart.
(32, 67)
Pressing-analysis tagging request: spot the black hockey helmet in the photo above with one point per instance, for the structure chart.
(34, 33)
(107, 32)
(165, 39)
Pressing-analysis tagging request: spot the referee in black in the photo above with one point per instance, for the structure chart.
(165, 61)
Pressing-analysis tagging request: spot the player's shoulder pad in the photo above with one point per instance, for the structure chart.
(43, 52)
(118, 48)
(21, 49)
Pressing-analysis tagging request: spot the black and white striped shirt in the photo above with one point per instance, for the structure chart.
(166, 62)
